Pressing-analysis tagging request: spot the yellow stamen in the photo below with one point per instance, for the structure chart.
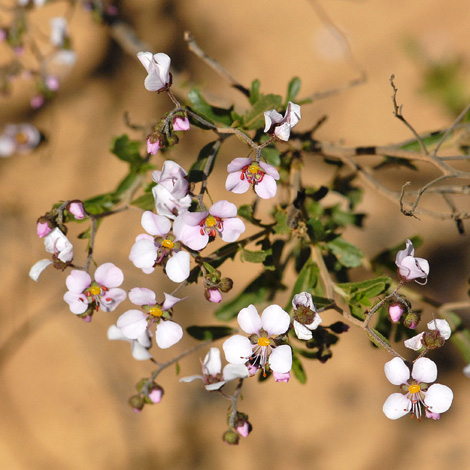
(253, 168)
(21, 138)
(95, 290)
(211, 221)
(155, 312)
(263, 341)
(414, 388)
(168, 244)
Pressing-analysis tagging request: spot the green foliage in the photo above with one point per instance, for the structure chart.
(254, 256)
(207, 111)
(298, 370)
(347, 254)
(210, 333)
(127, 150)
(293, 89)
(254, 117)
(197, 172)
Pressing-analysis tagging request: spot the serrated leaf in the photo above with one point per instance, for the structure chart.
(293, 89)
(199, 167)
(254, 256)
(127, 150)
(211, 113)
(145, 202)
(347, 254)
(254, 117)
(213, 333)
(298, 370)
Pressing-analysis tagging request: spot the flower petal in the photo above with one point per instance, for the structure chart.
(280, 360)
(132, 323)
(168, 333)
(78, 281)
(302, 331)
(142, 296)
(415, 342)
(38, 268)
(249, 320)
(275, 320)
(233, 228)
(424, 370)
(267, 188)
(212, 363)
(156, 225)
(438, 398)
(397, 371)
(235, 184)
(223, 209)
(178, 266)
(396, 405)
(235, 371)
(441, 325)
(109, 275)
(237, 349)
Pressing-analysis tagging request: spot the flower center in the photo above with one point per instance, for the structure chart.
(263, 341)
(21, 138)
(253, 173)
(211, 221)
(415, 388)
(155, 312)
(95, 290)
(168, 244)
(211, 225)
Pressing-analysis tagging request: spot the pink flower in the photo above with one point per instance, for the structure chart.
(244, 172)
(52, 83)
(280, 125)
(172, 191)
(156, 394)
(134, 323)
(416, 392)
(261, 348)
(153, 146)
(59, 245)
(139, 346)
(77, 210)
(213, 295)
(409, 267)
(159, 247)
(195, 229)
(102, 293)
(158, 69)
(43, 229)
(181, 124)
(25, 136)
(395, 311)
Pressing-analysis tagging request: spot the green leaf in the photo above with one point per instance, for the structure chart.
(124, 185)
(211, 113)
(246, 211)
(281, 227)
(99, 204)
(127, 150)
(206, 333)
(145, 202)
(177, 368)
(293, 89)
(370, 288)
(298, 369)
(254, 256)
(197, 170)
(348, 255)
(271, 155)
(315, 230)
(254, 92)
(254, 117)
(305, 282)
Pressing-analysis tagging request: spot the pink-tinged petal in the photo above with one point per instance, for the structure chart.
(302, 331)
(78, 303)
(415, 342)
(143, 254)
(112, 299)
(269, 170)
(282, 132)
(212, 363)
(235, 184)
(178, 266)
(303, 299)
(168, 333)
(237, 164)
(170, 301)
(441, 325)
(43, 229)
(271, 117)
(144, 236)
(192, 237)
(58, 244)
(249, 320)
(280, 360)
(438, 398)
(237, 349)
(164, 62)
(396, 406)
(267, 188)
(284, 377)
(413, 268)
(132, 323)
(293, 115)
(142, 296)
(233, 228)
(78, 281)
(223, 209)
(181, 124)
(235, 371)
(156, 225)
(424, 370)
(109, 275)
(38, 268)
(190, 378)
(275, 320)
(397, 371)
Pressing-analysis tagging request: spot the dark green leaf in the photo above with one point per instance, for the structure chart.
(293, 89)
(370, 288)
(271, 155)
(348, 255)
(254, 256)
(254, 92)
(211, 113)
(254, 117)
(124, 185)
(145, 202)
(199, 167)
(206, 333)
(127, 150)
(281, 227)
(315, 230)
(298, 369)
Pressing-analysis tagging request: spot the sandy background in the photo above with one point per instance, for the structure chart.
(64, 387)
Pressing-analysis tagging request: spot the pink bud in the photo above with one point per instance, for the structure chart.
(181, 124)
(37, 101)
(43, 229)
(244, 429)
(395, 311)
(77, 210)
(213, 295)
(156, 394)
(3, 35)
(281, 377)
(153, 147)
(52, 83)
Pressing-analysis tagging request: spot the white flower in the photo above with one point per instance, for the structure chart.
(158, 69)
(59, 31)
(416, 392)
(440, 329)
(261, 348)
(140, 346)
(409, 267)
(306, 317)
(211, 371)
(280, 125)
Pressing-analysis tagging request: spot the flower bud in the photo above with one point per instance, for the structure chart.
(156, 394)
(213, 295)
(37, 101)
(137, 403)
(77, 210)
(43, 229)
(231, 437)
(52, 82)
(412, 320)
(433, 339)
(153, 144)
(181, 123)
(395, 311)
(225, 284)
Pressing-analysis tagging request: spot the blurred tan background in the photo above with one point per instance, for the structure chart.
(64, 387)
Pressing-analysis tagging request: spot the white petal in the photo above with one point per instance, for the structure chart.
(190, 378)
(215, 386)
(280, 359)
(168, 333)
(441, 325)
(178, 266)
(424, 370)
(38, 268)
(142, 296)
(249, 320)
(414, 342)
(438, 398)
(302, 331)
(396, 406)
(132, 323)
(235, 371)
(275, 320)
(212, 362)
(139, 352)
(237, 349)
(115, 333)
(397, 371)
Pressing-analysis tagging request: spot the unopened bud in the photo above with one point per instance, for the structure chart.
(225, 284)
(213, 295)
(395, 312)
(231, 437)
(156, 394)
(154, 143)
(412, 320)
(76, 209)
(433, 339)
(43, 229)
(137, 403)
(181, 123)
